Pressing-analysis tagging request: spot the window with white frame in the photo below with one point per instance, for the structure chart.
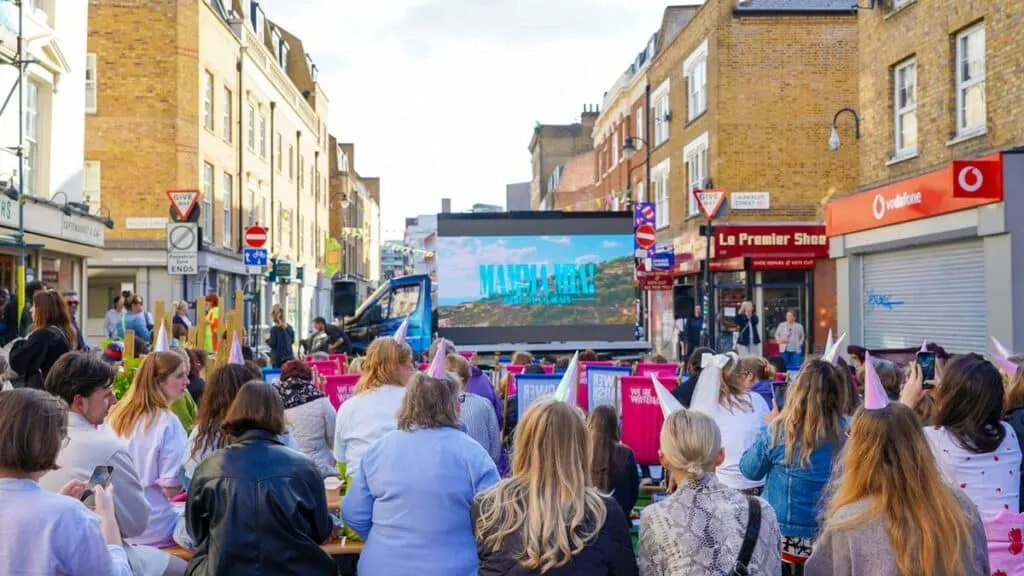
(91, 185)
(615, 148)
(251, 128)
(695, 155)
(970, 80)
(695, 69)
(31, 151)
(227, 115)
(660, 193)
(640, 192)
(253, 214)
(905, 108)
(638, 130)
(896, 4)
(207, 212)
(291, 162)
(280, 156)
(660, 112)
(90, 83)
(600, 161)
(263, 136)
(208, 100)
(227, 195)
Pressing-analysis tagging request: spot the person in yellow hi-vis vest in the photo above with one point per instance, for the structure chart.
(212, 322)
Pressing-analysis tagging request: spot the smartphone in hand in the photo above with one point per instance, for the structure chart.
(926, 360)
(100, 477)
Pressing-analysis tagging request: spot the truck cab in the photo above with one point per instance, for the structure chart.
(383, 312)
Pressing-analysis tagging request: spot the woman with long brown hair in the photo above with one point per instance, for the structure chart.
(373, 411)
(548, 515)
(155, 437)
(519, 358)
(892, 512)
(53, 334)
(612, 464)
(796, 452)
(739, 412)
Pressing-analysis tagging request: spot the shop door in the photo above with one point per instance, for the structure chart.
(934, 293)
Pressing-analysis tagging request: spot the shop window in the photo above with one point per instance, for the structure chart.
(730, 293)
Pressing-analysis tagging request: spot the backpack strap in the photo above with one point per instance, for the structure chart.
(750, 537)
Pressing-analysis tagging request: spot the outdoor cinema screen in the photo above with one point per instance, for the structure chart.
(535, 277)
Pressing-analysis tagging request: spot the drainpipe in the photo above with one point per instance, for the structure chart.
(273, 170)
(298, 189)
(241, 153)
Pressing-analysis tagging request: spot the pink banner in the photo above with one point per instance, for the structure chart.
(324, 367)
(1005, 535)
(549, 368)
(581, 380)
(342, 360)
(515, 368)
(641, 418)
(340, 387)
(667, 373)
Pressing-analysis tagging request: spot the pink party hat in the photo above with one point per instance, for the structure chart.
(668, 402)
(566, 390)
(236, 351)
(400, 333)
(875, 397)
(437, 364)
(830, 343)
(161, 339)
(924, 346)
(832, 353)
(1002, 358)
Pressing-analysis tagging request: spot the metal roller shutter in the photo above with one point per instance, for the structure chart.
(935, 293)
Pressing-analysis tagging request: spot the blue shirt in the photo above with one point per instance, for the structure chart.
(410, 500)
(136, 322)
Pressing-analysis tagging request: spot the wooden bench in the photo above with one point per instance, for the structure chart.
(334, 548)
(653, 489)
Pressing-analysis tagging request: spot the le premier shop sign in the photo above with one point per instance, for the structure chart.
(807, 240)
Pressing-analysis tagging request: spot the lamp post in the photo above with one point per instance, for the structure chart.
(833, 139)
(628, 150)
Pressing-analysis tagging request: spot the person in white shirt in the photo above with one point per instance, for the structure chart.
(157, 441)
(790, 336)
(373, 411)
(42, 532)
(113, 318)
(85, 382)
(740, 415)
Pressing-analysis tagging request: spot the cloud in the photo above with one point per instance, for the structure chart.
(565, 240)
(588, 258)
(610, 244)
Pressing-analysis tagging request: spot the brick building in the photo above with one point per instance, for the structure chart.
(574, 187)
(209, 96)
(552, 145)
(924, 250)
(738, 91)
(355, 220)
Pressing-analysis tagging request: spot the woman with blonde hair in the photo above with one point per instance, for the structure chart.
(52, 335)
(155, 437)
(796, 452)
(400, 514)
(704, 527)
(548, 515)
(373, 411)
(892, 512)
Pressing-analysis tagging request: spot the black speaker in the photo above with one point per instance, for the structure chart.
(683, 300)
(343, 298)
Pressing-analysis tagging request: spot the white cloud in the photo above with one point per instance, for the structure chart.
(564, 240)
(588, 258)
(455, 86)
(610, 244)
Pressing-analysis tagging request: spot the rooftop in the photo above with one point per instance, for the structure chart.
(795, 6)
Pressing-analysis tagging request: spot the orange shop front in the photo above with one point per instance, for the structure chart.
(933, 258)
(776, 266)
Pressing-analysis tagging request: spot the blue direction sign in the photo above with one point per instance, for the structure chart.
(664, 257)
(255, 257)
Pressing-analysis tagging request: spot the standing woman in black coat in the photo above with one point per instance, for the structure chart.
(52, 335)
(255, 506)
(281, 339)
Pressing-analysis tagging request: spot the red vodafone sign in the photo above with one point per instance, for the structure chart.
(977, 179)
(255, 236)
(645, 236)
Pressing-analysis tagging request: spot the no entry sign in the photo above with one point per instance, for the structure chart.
(645, 236)
(255, 236)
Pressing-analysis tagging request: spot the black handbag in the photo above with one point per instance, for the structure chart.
(750, 537)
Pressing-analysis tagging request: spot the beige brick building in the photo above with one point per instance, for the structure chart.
(917, 238)
(209, 96)
(552, 145)
(740, 97)
(355, 219)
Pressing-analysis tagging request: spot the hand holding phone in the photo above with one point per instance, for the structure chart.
(100, 477)
(926, 360)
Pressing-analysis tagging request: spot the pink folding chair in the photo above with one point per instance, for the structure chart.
(549, 368)
(324, 367)
(340, 387)
(342, 360)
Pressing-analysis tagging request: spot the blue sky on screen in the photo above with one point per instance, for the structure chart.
(460, 258)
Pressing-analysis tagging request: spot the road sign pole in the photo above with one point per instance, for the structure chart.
(709, 201)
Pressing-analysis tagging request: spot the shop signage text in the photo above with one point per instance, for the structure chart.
(924, 196)
(782, 263)
(655, 280)
(802, 240)
(49, 221)
(81, 230)
(750, 201)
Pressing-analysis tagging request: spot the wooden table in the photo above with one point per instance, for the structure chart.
(333, 547)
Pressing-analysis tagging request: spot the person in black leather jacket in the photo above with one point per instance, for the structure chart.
(254, 506)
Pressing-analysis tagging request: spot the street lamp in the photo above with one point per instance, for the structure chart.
(833, 139)
(629, 146)
(628, 150)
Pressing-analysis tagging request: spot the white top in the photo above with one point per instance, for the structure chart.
(362, 420)
(313, 426)
(46, 534)
(739, 429)
(158, 452)
(990, 480)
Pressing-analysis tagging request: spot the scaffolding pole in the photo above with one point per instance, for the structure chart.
(20, 274)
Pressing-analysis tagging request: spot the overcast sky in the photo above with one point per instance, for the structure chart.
(440, 96)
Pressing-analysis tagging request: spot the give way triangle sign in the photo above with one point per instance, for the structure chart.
(183, 201)
(709, 201)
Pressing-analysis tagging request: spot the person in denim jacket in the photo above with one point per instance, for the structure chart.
(796, 451)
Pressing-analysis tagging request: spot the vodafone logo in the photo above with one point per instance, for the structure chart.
(970, 179)
(881, 205)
